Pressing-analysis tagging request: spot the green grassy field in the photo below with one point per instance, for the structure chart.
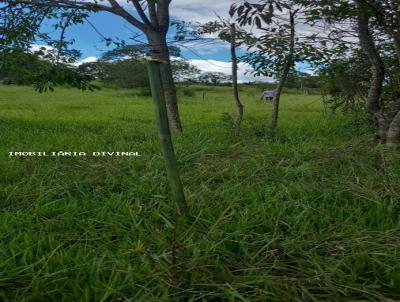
(309, 213)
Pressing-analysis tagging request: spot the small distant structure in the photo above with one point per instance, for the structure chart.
(268, 95)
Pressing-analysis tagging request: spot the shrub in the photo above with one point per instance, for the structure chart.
(188, 92)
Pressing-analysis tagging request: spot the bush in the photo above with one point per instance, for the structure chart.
(7, 82)
(123, 74)
(188, 92)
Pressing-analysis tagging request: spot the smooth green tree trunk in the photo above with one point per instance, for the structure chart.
(164, 135)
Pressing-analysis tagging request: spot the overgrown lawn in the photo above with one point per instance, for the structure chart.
(309, 213)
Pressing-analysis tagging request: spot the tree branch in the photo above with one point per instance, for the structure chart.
(118, 9)
(163, 13)
(140, 11)
(115, 8)
(153, 13)
(62, 34)
(61, 4)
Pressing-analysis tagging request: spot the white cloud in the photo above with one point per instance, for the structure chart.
(40, 47)
(88, 60)
(244, 70)
(200, 11)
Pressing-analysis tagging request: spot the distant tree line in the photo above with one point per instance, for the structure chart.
(123, 67)
(37, 68)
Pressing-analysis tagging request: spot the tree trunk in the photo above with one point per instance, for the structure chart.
(388, 119)
(378, 73)
(164, 135)
(396, 38)
(393, 134)
(160, 49)
(288, 64)
(235, 89)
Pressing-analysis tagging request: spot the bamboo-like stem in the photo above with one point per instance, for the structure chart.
(164, 135)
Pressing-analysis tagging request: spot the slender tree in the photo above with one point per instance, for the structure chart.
(44, 67)
(388, 118)
(235, 86)
(377, 26)
(227, 32)
(387, 17)
(274, 48)
(288, 65)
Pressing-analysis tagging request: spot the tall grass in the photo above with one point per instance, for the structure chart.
(307, 213)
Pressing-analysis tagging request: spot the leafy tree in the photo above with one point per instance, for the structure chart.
(215, 78)
(388, 117)
(276, 48)
(19, 67)
(345, 82)
(185, 72)
(47, 67)
(123, 58)
(377, 27)
(26, 68)
(18, 26)
(302, 80)
(132, 73)
(227, 31)
(128, 73)
(125, 67)
(386, 16)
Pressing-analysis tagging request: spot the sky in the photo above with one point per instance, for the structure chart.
(89, 37)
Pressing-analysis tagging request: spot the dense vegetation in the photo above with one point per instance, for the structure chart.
(307, 213)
